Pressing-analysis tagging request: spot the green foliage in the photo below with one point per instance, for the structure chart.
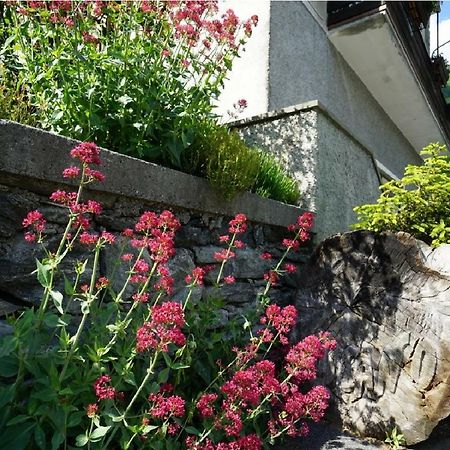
(395, 439)
(123, 74)
(417, 204)
(14, 103)
(273, 182)
(221, 156)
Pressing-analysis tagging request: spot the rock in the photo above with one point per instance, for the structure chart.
(179, 266)
(381, 296)
(237, 293)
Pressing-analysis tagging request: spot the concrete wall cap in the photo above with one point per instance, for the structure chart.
(31, 153)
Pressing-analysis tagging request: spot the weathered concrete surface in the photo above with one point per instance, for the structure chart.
(390, 312)
(44, 155)
(335, 171)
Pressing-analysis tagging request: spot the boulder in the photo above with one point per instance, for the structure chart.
(386, 299)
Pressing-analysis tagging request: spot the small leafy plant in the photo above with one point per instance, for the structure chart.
(273, 182)
(99, 367)
(222, 157)
(395, 439)
(417, 204)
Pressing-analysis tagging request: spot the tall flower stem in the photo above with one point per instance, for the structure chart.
(150, 372)
(89, 301)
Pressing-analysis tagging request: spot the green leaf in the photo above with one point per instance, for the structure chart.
(192, 430)
(57, 300)
(81, 440)
(9, 366)
(6, 394)
(98, 433)
(163, 376)
(68, 288)
(57, 440)
(39, 438)
(178, 366)
(149, 428)
(51, 320)
(17, 437)
(8, 345)
(43, 274)
(18, 419)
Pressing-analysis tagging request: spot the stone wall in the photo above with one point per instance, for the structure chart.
(31, 162)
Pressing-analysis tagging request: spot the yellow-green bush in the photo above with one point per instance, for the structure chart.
(418, 203)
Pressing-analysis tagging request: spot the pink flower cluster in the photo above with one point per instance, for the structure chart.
(195, 278)
(158, 234)
(166, 408)
(236, 226)
(102, 389)
(163, 329)
(248, 386)
(302, 229)
(296, 407)
(36, 223)
(302, 358)
(280, 320)
(249, 442)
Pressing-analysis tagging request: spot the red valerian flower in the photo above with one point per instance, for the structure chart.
(224, 255)
(301, 360)
(266, 255)
(164, 328)
(229, 279)
(101, 388)
(271, 277)
(34, 220)
(102, 282)
(91, 410)
(71, 172)
(165, 407)
(205, 405)
(290, 268)
(94, 175)
(238, 224)
(87, 153)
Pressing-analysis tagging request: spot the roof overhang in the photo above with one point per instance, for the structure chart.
(373, 48)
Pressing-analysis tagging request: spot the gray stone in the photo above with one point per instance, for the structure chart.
(390, 313)
(237, 293)
(44, 155)
(179, 266)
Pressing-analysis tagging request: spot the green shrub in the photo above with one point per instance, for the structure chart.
(417, 204)
(273, 182)
(14, 103)
(133, 76)
(221, 156)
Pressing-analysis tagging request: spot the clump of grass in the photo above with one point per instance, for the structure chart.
(223, 158)
(274, 182)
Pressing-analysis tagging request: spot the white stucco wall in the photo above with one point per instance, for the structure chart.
(250, 75)
(290, 60)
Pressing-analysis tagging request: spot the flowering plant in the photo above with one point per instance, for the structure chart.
(135, 76)
(102, 367)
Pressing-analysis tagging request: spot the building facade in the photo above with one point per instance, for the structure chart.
(361, 73)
